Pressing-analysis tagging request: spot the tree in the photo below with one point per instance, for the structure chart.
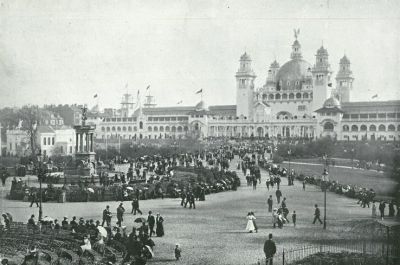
(29, 115)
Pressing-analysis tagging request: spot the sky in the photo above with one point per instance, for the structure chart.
(64, 52)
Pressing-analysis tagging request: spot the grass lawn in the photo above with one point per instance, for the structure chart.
(214, 233)
(378, 181)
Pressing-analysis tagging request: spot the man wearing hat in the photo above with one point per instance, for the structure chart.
(106, 216)
(120, 214)
(152, 221)
(64, 223)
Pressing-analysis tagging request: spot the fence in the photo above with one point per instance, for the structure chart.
(388, 253)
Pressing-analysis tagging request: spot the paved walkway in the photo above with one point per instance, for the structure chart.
(215, 233)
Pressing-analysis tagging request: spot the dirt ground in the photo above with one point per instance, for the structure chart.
(214, 233)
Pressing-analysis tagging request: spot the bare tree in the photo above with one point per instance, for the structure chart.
(29, 115)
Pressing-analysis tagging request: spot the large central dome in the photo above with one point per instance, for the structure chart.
(292, 74)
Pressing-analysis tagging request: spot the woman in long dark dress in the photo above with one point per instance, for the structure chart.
(160, 225)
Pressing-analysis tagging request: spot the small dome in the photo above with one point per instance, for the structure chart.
(331, 103)
(201, 106)
(322, 51)
(245, 57)
(296, 43)
(274, 64)
(344, 60)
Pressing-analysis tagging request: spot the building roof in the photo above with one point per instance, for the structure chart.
(344, 60)
(181, 110)
(371, 106)
(45, 129)
(294, 70)
(245, 57)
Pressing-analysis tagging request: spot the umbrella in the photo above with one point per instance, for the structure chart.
(150, 250)
(140, 220)
(90, 190)
(9, 216)
(129, 188)
(102, 231)
(47, 219)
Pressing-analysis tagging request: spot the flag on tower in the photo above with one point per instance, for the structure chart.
(330, 85)
(375, 96)
(95, 96)
(179, 102)
(147, 88)
(138, 93)
(200, 91)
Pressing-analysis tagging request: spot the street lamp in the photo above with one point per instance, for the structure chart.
(40, 176)
(289, 173)
(325, 185)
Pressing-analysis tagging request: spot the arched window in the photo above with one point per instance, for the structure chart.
(372, 128)
(155, 129)
(391, 128)
(179, 128)
(345, 128)
(167, 128)
(44, 141)
(363, 128)
(108, 129)
(354, 128)
(298, 95)
(264, 97)
(141, 125)
(271, 97)
(173, 129)
(305, 95)
(129, 128)
(398, 128)
(124, 129)
(186, 128)
(278, 96)
(118, 129)
(150, 129)
(328, 126)
(103, 129)
(113, 129)
(284, 96)
(161, 128)
(382, 128)
(291, 96)
(134, 128)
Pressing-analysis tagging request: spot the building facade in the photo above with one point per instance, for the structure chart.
(297, 100)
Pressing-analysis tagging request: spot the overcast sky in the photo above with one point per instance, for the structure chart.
(67, 51)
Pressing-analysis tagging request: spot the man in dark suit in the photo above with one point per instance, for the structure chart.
(106, 216)
(151, 220)
(317, 214)
(120, 214)
(269, 250)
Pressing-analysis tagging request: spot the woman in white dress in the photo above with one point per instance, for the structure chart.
(86, 244)
(373, 210)
(250, 224)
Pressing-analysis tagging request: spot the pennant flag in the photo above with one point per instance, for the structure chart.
(95, 96)
(179, 102)
(200, 91)
(375, 96)
(138, 93)
(330, 85)
(147, 88)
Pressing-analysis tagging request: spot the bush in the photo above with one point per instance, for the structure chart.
(277, 159)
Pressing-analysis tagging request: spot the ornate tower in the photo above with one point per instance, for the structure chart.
(271, 77)
(321, 75)
(244, 87)
(344, 80)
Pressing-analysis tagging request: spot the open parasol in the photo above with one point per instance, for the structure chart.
(140, 220)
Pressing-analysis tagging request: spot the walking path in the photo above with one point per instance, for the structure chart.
(336, 166)
(214, 233)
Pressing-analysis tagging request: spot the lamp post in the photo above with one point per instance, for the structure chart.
(289, 173)
(325, 185)
(40, 175)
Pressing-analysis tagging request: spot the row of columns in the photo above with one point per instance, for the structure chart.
(246, 131)
(84, 142)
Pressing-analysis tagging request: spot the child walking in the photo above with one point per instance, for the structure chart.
(177, 252)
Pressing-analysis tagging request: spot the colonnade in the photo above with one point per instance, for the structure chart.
(84, 142)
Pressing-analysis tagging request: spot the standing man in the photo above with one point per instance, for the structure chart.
(317, 214)
(382, 207)
(34, 199)
(270, 203)
(278, 194)
(269, 250)
(183, 197)
(135, 206)
(120, 214)
(106, 216)
(151, 220)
